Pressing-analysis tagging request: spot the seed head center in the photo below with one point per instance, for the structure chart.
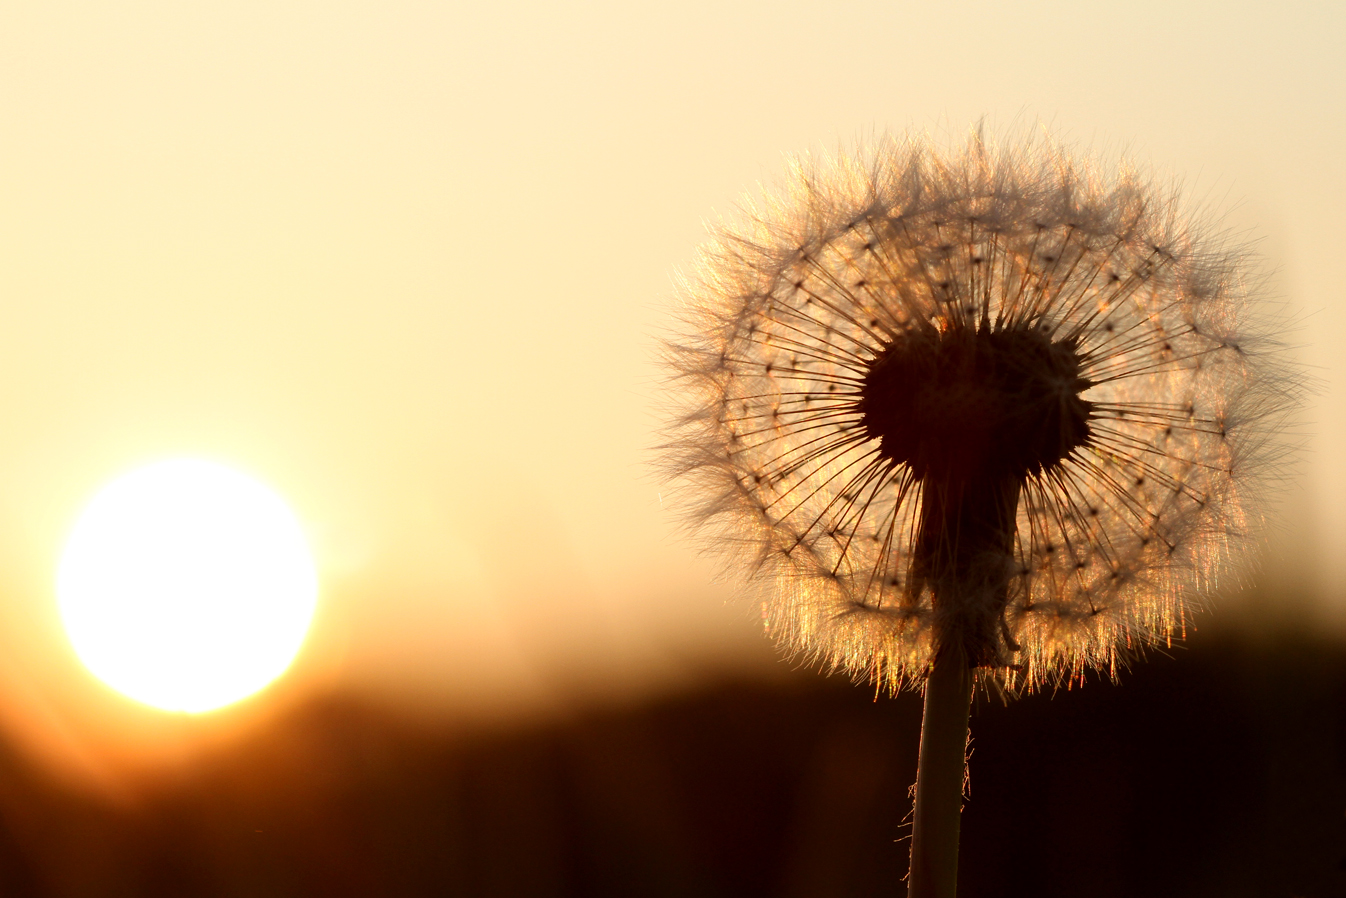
(976, 404)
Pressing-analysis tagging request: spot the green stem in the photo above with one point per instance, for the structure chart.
(939, 775)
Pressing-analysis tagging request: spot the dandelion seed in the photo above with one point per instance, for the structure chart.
(982, 413)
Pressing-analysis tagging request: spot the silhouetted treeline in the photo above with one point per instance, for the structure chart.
(1218, 770)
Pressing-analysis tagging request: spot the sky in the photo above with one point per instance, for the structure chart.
(408, 263)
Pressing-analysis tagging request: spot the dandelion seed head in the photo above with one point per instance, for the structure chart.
(987, 395)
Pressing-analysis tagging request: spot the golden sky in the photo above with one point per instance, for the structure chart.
(406, 263)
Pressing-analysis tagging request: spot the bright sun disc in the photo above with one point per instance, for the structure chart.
(186, 585)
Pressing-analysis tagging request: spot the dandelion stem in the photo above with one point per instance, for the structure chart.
(939, 775)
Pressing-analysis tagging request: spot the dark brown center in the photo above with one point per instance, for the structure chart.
(969, 404)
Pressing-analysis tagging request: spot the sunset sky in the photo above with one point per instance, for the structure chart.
(407, 264)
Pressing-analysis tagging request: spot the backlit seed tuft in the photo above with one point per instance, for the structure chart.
(986, 396)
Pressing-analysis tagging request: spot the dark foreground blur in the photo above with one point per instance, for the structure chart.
(1219, 770)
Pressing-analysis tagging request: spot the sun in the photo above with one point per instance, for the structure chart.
(187, 585)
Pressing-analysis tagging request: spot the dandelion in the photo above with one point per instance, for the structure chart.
(982, 414)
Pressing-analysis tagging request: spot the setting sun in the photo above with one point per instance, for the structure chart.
(186, 585)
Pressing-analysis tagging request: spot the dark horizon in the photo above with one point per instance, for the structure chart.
(1214, 769)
